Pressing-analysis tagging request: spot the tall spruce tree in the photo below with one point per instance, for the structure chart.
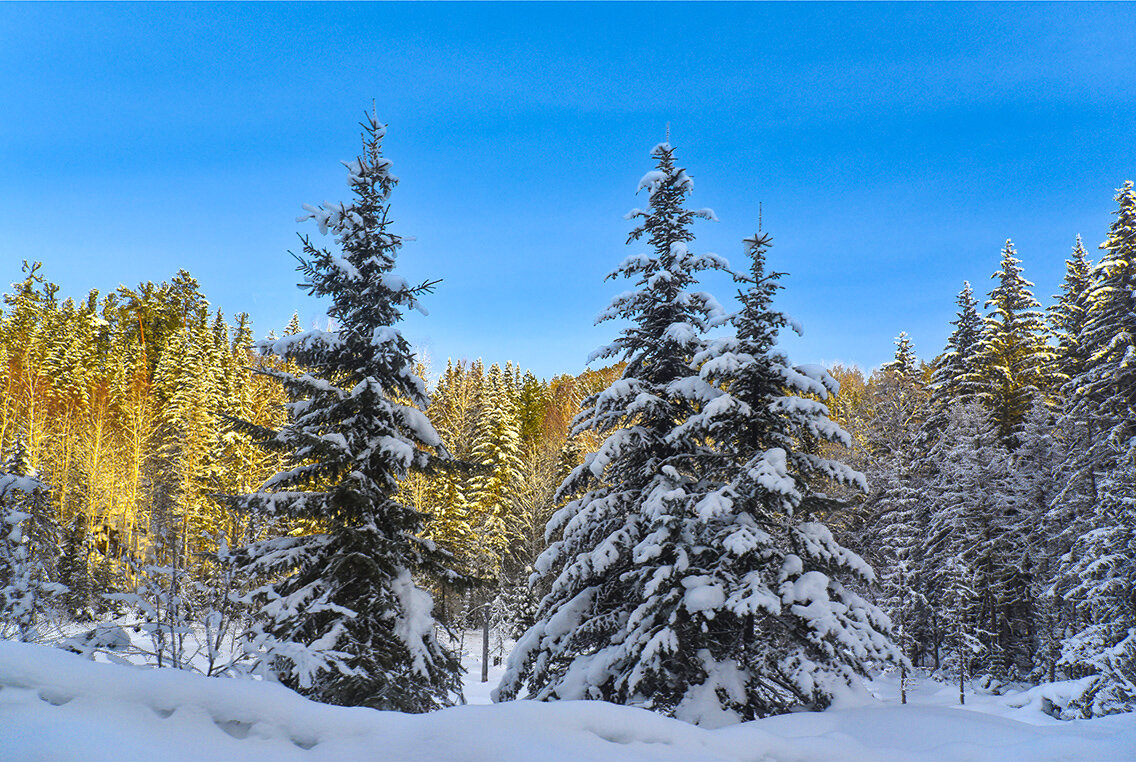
(448, 494)
(497, 450)
(28, 546)
(896, 511)
(1095, 578)
(1014, 359)
(189, 376)
(1068, 314)
(775, 618)
(1072, 507)
(616, 568)
(955, 376)
(1108, 383)
(342, 619)
(964, 555)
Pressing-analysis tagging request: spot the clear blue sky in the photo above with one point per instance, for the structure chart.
(894, 147)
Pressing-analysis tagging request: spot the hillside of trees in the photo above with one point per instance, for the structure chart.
(696, 522)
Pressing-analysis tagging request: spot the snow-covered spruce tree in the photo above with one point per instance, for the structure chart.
(1096, 577)
(722, 618)
(896, 512)
(770, 594)
(1102, 568)
(1071, 506)
(497, 450)
(1105, 391)
(955, 375)
(1087, 454)
(341, 619)
(615, 570)
(1014, 358)
(965, 551)
(28, 539)
(447, 498)
(1068, 314)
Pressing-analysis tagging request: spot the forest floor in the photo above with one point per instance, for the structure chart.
(61, 706)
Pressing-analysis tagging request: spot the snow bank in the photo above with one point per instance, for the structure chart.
(56, 705)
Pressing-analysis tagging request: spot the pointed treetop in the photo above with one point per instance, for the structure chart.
(1012, 293)
(904, 362)
(1079, 249)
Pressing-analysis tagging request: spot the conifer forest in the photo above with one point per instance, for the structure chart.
(696, 524)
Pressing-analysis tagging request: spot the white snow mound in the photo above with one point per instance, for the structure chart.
(56, 705)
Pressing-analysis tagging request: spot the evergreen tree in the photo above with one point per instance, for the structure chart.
(532, 406)
(1098, 580)
(1097, 418)
(780, 572)
(904, 364)
(497, 452)
(189, 376)
(1071, 506)
(341, 619)
(1014, 358)
(1106, 390)
(1068, 314)
(1087, 452)
(1096, 576)
(28, 541)
(448, 493)
(897, 516)
(616, 571)
(956, 376)
(25, 326)
(965, 555)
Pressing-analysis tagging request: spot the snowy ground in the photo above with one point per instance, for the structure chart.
(56, 705)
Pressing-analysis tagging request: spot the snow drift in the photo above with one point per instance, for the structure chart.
(57, 705)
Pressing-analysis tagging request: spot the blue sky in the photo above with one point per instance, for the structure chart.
(894, 149)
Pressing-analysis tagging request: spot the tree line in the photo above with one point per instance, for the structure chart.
(1001, 515)
(120, 404)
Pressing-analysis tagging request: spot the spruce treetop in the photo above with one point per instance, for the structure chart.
(1012, 296)
(1014, 357)
(667, 321)
(1068, 314)
(367, 296)
(956, 375)
(956, 370)
(904, 363)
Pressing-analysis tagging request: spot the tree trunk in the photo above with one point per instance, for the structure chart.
(485, 646)
(962, 664)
